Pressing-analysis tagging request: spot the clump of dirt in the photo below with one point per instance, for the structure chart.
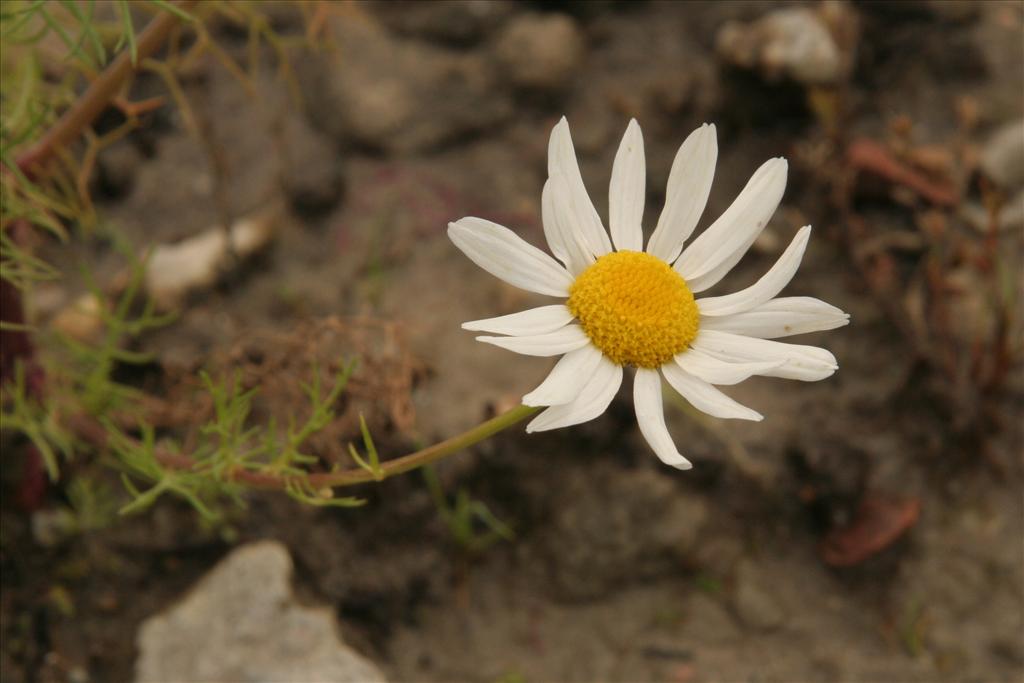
(280, 365)
(869, 529)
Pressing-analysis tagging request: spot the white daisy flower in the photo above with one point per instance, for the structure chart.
(626, 306)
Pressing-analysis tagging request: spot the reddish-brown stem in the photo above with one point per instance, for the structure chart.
(16, 343)
(99, 93)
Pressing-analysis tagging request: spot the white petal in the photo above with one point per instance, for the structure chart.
(721, 246)
(565, 381)
(716, 371)
(561, 227)
(505, 255)
(533, 321)
(552, 230)
(805, 363)
(781, 317)
(689, 184)
(627, 192)
(770, 284)
(562, 159)
(650, 416)
(705, 397)
(564, 340)
(597, 393)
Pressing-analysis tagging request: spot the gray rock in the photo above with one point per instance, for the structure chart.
(613, 526)
(540, 51)
(755, 604)
(1002, 158)
(242, 623)
(708, 620)
(792, 42)
(399, 95)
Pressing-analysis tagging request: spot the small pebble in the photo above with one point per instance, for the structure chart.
(793, 42)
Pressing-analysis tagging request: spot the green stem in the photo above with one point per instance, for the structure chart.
(427, 455)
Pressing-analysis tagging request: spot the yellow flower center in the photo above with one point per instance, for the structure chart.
(635, 308)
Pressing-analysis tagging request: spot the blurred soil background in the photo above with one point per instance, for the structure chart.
(870, 529)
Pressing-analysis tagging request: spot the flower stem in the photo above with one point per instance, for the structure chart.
(390, 468)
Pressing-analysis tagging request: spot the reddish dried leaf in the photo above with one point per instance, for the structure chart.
(878, 523)
(871, 157)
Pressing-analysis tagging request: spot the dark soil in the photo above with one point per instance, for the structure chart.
(621, 569)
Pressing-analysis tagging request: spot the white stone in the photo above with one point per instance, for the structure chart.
(175, 270)
(241, 623)
(791, 42)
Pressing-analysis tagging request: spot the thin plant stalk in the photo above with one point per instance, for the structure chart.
(90, 430)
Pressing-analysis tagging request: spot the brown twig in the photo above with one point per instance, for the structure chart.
(16, 344)
(99, 93)
(870, 156)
